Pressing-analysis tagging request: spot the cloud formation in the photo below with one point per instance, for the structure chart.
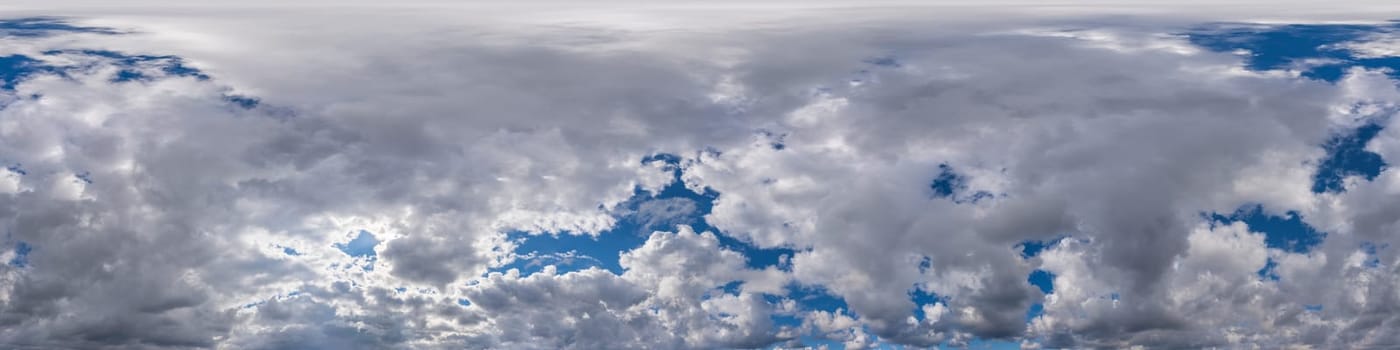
(256, 180)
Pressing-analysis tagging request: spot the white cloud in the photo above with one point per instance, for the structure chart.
(440, 134)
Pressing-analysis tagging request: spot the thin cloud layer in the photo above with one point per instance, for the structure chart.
(277, 179)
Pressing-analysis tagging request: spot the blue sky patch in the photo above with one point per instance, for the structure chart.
(16, 68)
(572, 260)
(168, 66)
(815, 298)
(130, 67)
(985, 344)
(732, 287)
(1267, 272)
(1372, 250)
(953, 186)
(1045, 280)
(1288, 232)
(360, 247)
(922, 297)
(244, 102)
(814, 342)
(1287, 46)
(607, 248)
(637, 218)
(34, 27)
(126, 75)
(947, 182)
(22, 251)
(1347, 156)
(810, 298)
(1036, 310)
(1032, 248)
(665, 210)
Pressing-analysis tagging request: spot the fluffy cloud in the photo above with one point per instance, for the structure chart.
(251, 181)
(671, 295)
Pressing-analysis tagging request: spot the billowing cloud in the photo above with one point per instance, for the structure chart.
(587, 179)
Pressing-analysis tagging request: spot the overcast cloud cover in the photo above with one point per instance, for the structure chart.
(539, 175)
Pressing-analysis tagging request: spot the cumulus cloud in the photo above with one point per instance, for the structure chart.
(279, 178)
(671, 295)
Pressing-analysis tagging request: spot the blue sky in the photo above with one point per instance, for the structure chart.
(1271, 48)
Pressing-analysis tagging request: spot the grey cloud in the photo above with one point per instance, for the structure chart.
(440, 145)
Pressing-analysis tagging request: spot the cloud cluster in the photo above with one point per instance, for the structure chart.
(197, 182)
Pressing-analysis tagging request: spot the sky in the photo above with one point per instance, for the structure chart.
(687, 175)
